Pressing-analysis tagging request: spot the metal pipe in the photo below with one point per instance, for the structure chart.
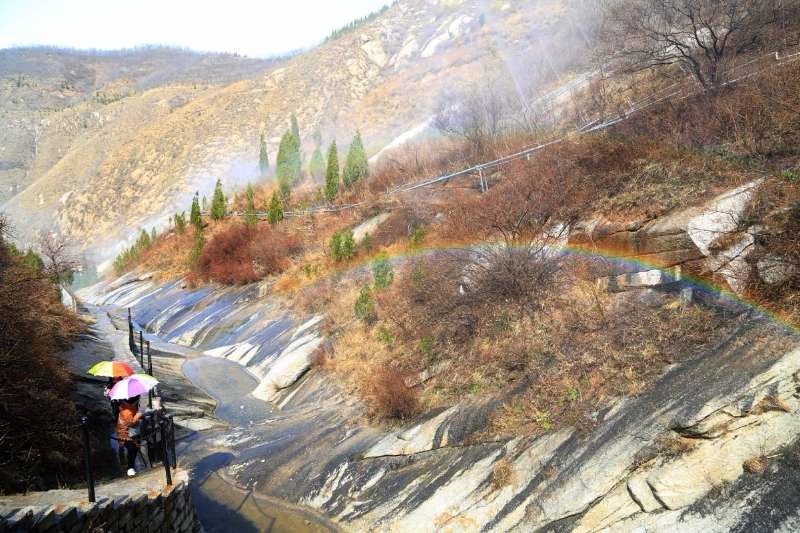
(87, 455)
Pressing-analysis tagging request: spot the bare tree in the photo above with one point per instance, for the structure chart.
(701, 36)
(60, 261)
(476, 116)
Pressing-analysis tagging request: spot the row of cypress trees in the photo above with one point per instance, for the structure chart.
(288, 174)
(288, 164)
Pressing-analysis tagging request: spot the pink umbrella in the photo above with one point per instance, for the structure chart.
(134, 385)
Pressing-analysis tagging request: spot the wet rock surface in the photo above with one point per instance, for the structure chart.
(310, 446)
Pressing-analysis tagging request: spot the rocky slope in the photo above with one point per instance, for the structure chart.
(710, 446)
(95, 140)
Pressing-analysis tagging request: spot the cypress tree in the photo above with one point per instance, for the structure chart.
(153, 235)
(263, 158)
(275, 213)
(295, 128)
(332, 174)
(316, 167)
(180, 222)
(218, 202)
(197, 247)
(250, 209)
(355, 166)
(194, 215)
(287, 163)
(144, 240)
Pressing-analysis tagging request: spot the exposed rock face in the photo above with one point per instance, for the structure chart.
(636, 280)
(685, 239)
(654, 462)
(256, 336)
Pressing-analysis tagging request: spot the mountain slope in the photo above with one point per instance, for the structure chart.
(113, 147)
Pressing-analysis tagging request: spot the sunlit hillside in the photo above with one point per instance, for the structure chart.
(111, 142)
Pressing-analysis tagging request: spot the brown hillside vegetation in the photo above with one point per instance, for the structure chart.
(241, 253)
(39, 434)
(575, 348)
(501, 318)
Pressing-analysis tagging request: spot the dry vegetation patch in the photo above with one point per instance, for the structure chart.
(39, 434)
(242, 253)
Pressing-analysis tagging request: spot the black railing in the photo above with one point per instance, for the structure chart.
(157, 428)
(157, 435)
(87, 456)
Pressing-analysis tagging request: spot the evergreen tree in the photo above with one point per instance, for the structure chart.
(143, 243)
(364, 306)
(180, 222)
(336, 246)
(348, 248)
(33, 261)
(263, 158)
(332, 174)
(288, 163)
(295, 128)
(218, 202)
(204, 204)
(355, 166)
(250, 208)
(194, 216)
(343, 246)
(382, 272)
(197, 247)
(153, 235)
(275, 213)
(316, 167)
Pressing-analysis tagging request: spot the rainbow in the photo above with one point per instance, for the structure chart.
(594, 252)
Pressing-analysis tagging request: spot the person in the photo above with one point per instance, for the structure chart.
(129, 416)
(107, 392)
(115, 445)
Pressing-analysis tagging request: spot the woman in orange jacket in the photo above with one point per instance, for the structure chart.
(129, 416)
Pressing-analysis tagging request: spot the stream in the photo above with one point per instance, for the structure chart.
(221, 504)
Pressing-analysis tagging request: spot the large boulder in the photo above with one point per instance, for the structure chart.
(707, 238)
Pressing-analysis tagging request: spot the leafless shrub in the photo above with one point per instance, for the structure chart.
(476, 117)
(242, 253)
(388, 396)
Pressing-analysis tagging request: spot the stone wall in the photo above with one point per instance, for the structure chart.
(142, 504)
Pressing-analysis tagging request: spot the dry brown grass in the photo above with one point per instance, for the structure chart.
(777, 208)
(755, 465)
(39, 434)
(167, 256)
(673, 446)
(503, 474)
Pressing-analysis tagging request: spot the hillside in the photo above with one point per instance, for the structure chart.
(110, 142)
